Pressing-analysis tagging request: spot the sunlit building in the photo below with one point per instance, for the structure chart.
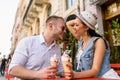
(31, 15)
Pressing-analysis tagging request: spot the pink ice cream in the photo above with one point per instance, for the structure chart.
(54, 60)
(66, 61)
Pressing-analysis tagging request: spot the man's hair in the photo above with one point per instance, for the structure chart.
(53, 19)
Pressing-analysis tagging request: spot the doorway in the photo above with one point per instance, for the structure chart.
(111, 18)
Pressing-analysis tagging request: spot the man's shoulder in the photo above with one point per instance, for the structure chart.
(30, 38)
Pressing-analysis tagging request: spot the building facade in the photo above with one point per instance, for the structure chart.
(31, 15)
(18, 30)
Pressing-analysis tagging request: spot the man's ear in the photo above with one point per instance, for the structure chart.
(50, 25)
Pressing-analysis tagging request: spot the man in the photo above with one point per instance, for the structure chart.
(3, 64)
(31, 59)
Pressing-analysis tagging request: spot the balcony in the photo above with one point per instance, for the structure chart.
(33, 11)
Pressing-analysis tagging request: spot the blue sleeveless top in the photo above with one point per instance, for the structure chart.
(86, 59)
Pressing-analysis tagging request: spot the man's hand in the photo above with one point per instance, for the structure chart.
(49, 72)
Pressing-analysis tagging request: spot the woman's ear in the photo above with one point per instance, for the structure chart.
(86, 27)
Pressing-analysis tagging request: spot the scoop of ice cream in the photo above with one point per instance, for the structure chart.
(65, 57)
(54, 58)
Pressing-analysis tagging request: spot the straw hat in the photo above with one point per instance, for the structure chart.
(88, 18)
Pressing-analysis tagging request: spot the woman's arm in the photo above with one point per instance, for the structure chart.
(70, 24)
(97, 61)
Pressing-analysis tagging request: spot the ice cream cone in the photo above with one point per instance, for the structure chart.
(65, 65)
(66, 62)
(54, 63)
(54, 60)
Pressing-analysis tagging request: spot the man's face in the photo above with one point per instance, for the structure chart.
(60, 30)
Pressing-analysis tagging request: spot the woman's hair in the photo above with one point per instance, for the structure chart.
(93, 33)
(71, 17)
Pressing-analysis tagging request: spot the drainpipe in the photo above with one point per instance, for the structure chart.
(80, 6)
(27, 9)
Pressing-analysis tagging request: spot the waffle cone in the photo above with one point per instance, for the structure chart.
(54, 63)
(65, 65)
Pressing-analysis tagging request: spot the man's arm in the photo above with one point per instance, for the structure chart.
(23, 73)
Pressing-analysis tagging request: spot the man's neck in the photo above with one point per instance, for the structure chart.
(48, 38)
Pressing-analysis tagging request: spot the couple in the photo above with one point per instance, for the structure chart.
(31, 59)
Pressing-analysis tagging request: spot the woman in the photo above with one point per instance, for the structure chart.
(92, 57)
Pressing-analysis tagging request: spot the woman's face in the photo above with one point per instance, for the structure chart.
(79, 28)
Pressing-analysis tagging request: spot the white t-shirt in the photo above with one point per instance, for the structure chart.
(78, 55)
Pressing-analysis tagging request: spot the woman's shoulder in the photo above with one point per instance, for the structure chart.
(100, 42)
(98, 39)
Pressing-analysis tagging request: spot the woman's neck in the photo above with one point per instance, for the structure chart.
(86, 40)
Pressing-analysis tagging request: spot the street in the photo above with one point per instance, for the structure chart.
(2, 78)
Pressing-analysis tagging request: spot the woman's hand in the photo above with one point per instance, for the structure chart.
(69, 74)
(70, 23)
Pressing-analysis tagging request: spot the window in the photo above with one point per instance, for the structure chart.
(49, 11)
(69, 3)
(94, 1)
